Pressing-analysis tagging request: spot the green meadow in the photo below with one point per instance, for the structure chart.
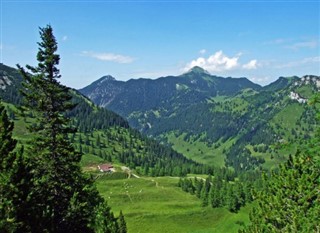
(158, 205)
(197, 150)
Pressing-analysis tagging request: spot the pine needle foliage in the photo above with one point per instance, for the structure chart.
(62, 198)
(7, 159)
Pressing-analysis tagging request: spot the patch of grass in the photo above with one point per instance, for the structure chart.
(288, 116)
(89, 160)
(197, 150)
(272, 159)
(305, 91)
(158, 205)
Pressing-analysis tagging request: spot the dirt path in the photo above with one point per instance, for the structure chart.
(127, 170)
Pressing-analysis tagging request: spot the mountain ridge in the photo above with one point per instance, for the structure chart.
(196, 84)
(231, 118)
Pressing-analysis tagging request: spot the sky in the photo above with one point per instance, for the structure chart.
(260, 40)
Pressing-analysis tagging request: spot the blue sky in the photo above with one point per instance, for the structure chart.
(260, 40)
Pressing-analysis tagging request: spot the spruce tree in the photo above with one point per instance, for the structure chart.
(7, 158)
(62, 198)
(214, 194)
(15, 182)
(231, 201)
(290, 200)
(204, 195)
(7, 143)
(122, 224)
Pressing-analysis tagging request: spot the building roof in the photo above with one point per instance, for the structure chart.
(105, 167)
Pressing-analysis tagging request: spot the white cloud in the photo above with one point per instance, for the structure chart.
(276, 41)
(251, 65)
(219, 62)
(294, 44)
(305, 44)
(109, 57)
(202, 51)
(64, 38)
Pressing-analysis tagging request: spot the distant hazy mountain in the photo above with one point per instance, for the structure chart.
(227, 121)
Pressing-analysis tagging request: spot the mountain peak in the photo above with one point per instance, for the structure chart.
(107, 78)
(198, 70)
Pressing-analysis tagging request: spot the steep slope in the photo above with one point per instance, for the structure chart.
(215, 120)
(102, 135)
(10, 82)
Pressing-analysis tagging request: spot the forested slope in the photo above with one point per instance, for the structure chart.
(104, 134)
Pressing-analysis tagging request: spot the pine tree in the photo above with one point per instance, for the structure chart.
(15, 179)
(122, 224)
(231, 201)
(204, 195)
(214, 194)
(290, 200)
(7, 158)
(198, 186)
(62, 198)
(7, 143)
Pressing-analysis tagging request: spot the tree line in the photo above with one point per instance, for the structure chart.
(223, 189)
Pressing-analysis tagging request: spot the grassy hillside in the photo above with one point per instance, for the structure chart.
(114, 144)
(198, 150)
(249, 128)
(158, 205)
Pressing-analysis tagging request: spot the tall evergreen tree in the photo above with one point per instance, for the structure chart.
(62, 198)
(7, 158)
(7, 143)
(14, 180)
(231, 200)
(204, 196)
(214, 194)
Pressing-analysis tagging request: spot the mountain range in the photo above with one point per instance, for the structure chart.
(215, 120)
(209, 119)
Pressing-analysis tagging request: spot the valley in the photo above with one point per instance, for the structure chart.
(214, 120)
(264, 126)
(159, 116)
